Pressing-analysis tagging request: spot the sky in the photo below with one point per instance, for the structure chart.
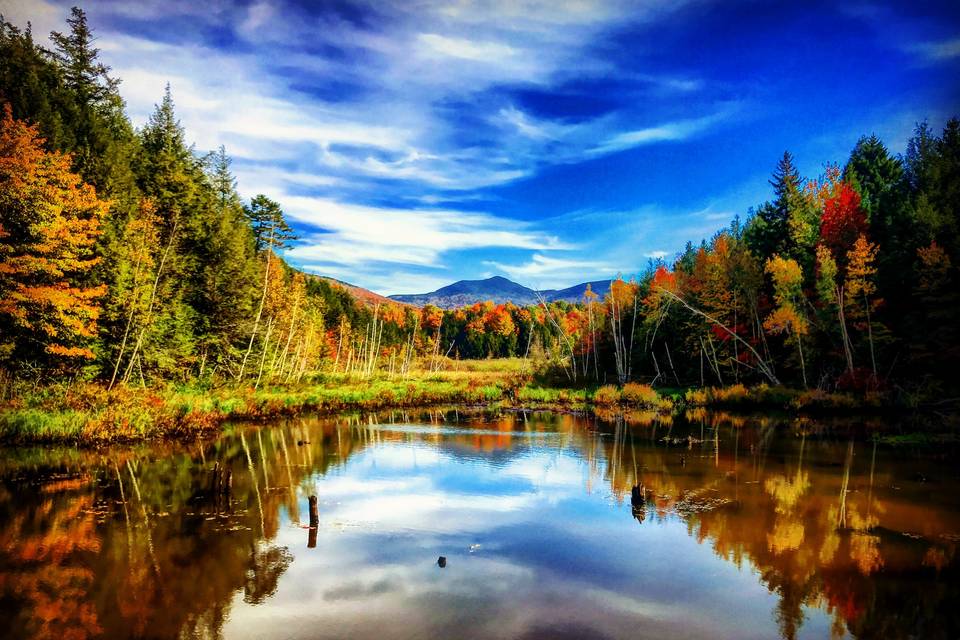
(416, 143)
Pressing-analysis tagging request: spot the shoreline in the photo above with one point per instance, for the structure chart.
(89, 415)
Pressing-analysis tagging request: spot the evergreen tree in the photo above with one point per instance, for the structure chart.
(270, 229)
(172, 177)
(102, 136)
(777, 226)
(229, 269)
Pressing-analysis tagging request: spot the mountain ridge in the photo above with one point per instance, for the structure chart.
(499, 290)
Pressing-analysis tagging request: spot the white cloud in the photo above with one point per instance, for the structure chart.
(656, 255)
(670, 131)
(408, 107)
(373, 242)
(43, 16)
(429, 230)
(392, 128)
(543, 272)
(487, 52)
(937, 51)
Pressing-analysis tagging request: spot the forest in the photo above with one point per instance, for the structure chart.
(128, 258)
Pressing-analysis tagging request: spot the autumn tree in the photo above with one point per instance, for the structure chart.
(49, 225)
(274, 235)
(842, 222)
(860, 291)
(788, 317)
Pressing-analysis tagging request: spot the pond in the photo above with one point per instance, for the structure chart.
(549, 526)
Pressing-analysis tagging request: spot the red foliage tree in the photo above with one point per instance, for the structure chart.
(842, 222)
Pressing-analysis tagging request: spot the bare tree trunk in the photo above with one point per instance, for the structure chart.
(263, 354)
(263, 299)
(701, 365)
(670, 360)
(803, 368)
(847, 347)
(153, 297)
(133, 308)
(763, 365)
(566, 339)
(873, 358)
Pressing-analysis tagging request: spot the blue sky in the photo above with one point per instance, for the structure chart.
(416, 143)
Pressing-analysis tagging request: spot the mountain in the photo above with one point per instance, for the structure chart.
(365, 296)
(499, 290)
(575, 293)
(465, 292)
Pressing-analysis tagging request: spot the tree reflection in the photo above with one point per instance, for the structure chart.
(159, 541)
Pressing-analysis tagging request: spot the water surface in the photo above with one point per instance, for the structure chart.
(737, 528)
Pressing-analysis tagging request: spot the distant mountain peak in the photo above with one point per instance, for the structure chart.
(499, 290)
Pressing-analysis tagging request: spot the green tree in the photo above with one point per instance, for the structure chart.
(270, 229)
(776, 226)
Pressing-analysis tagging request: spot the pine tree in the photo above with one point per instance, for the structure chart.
(270, 228)
(169, 174)
(83, 71)
(769, 231)
(879, 179)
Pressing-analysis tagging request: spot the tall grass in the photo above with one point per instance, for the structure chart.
(89, 413)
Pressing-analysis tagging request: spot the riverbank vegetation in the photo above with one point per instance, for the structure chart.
(89, 413)
(140, 293)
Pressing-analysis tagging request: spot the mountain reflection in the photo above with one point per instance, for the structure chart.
(553, 524)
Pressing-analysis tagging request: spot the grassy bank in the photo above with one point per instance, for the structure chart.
(88, 413)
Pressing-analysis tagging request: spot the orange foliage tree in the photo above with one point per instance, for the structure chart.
(50, 222)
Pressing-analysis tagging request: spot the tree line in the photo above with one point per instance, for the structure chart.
(129, 257)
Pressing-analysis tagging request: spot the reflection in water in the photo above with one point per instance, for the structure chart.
(551, 526)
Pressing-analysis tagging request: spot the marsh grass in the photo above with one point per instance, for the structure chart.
(764, 396)
(89, 413)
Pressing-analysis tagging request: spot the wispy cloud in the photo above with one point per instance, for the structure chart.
(377, 242)
(416, 142)
(394, 127)
(543, 271)
(425, 113)
(937, 51)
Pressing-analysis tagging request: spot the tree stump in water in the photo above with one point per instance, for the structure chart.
(638, 502)
(314, 522)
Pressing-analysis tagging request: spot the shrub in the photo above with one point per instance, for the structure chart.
(696, 397)
(640, 395)
(606, 395)
(734, 394)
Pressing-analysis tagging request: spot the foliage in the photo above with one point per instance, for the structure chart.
(51, 220)
(843, 281)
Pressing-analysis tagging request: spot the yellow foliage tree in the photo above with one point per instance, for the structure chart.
(788, 293)
(49, 222)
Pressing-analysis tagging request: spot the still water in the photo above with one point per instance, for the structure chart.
(737, 528)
